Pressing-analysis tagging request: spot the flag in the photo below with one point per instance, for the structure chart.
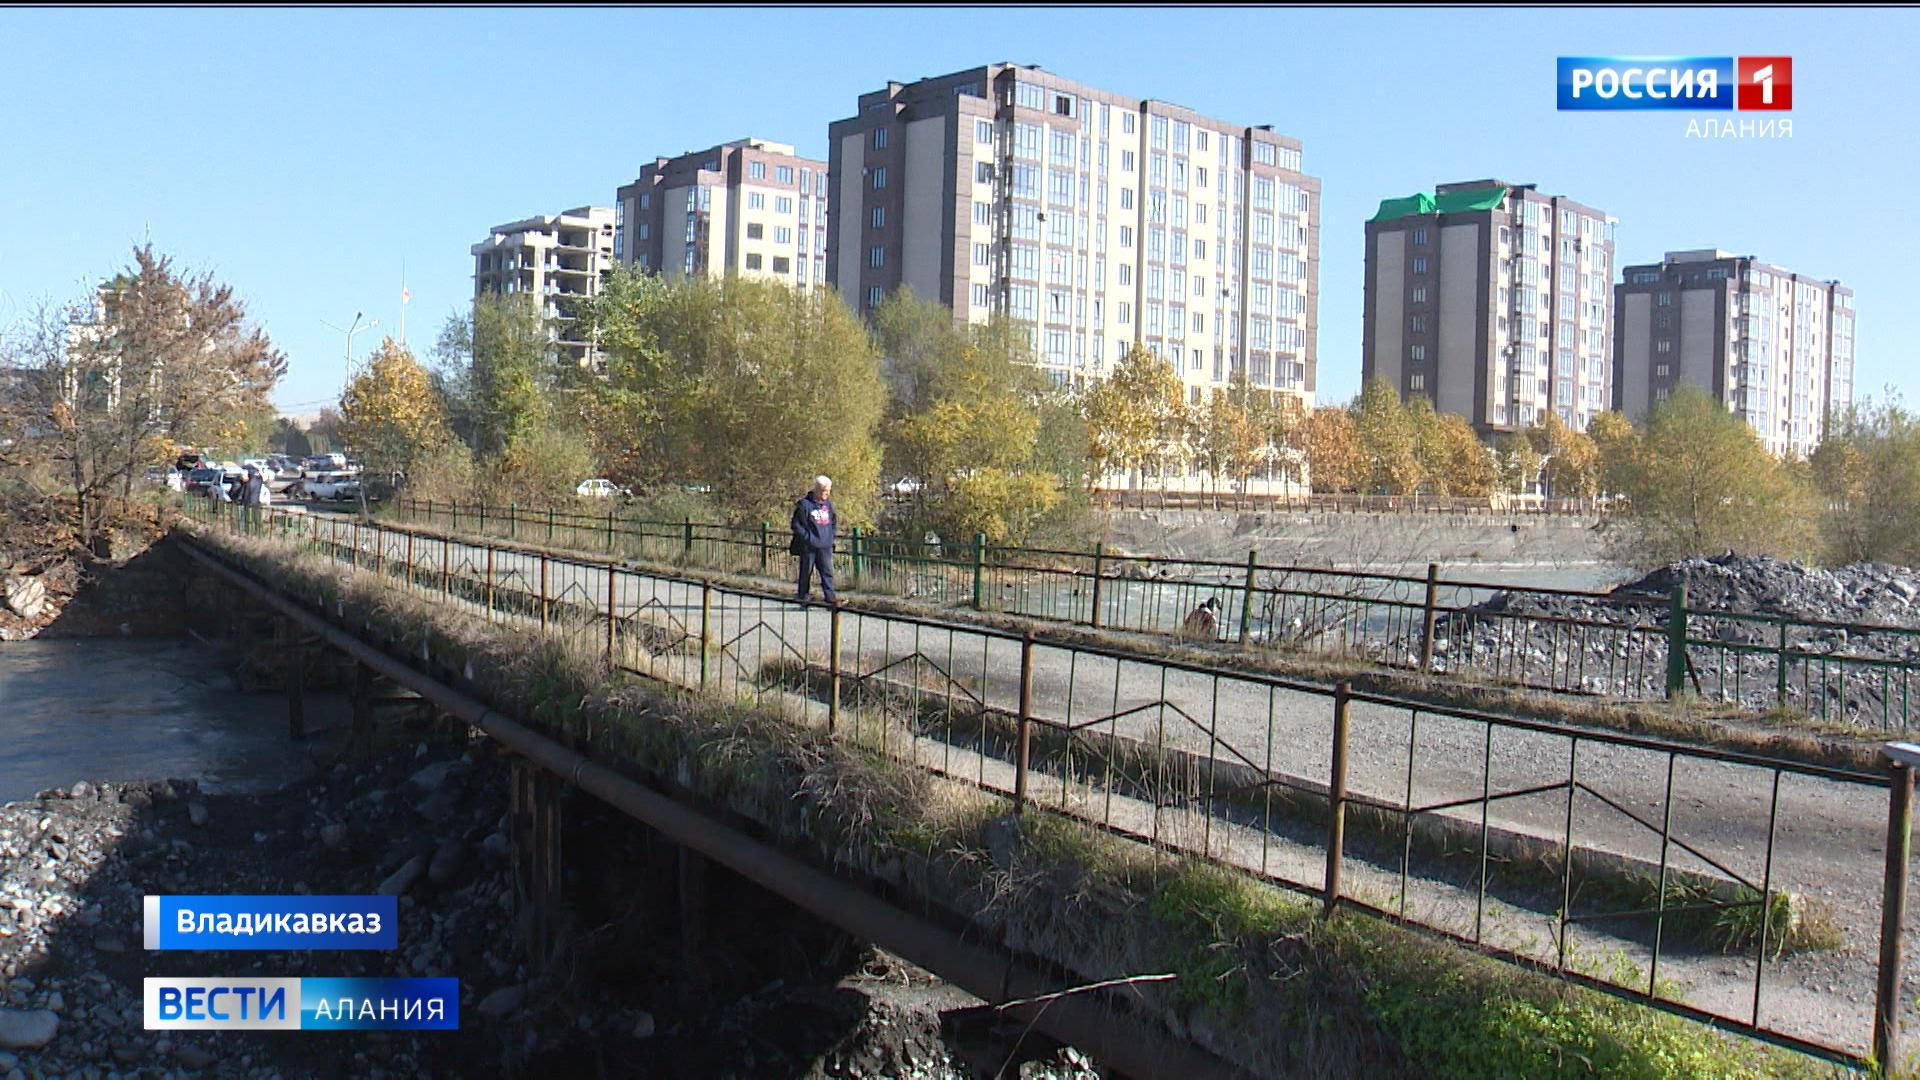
(404, 294)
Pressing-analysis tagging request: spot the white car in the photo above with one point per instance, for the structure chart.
(336, 487)
(903, 487)
(598, 489)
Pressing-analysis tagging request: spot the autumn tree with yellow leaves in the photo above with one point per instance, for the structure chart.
(390, 413)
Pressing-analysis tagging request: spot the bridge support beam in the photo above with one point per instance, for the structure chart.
(535, 819)
(295, 652)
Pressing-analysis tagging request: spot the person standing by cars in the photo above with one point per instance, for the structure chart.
(252, 491)
(813, 524)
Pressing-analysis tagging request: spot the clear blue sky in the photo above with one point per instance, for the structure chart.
(304, 155)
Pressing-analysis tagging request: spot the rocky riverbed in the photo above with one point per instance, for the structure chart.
(769, 992)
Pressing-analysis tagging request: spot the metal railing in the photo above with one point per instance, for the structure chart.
(1636, 648)
(1630, 865)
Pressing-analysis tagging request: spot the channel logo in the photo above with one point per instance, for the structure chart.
(276, 1004)
(1748, 83)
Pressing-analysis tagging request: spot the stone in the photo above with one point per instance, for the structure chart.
(137, 799)
(27, 1029)
(83, 790)
(643, 1026)
(193, 1057)
(447, 860)
(334, 836)
(435, 776)
(107, 943)
(402, 879)
(197, 812)
(502, 1002)
(25, 596)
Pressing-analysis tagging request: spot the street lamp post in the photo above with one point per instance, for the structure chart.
(349, 332)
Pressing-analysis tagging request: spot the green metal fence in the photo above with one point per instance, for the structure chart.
(1616, 646)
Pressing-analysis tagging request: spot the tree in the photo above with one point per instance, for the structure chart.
(498, 371)
(1136, 417)
(1226, 438)
(1570, 462)
(156, 361)
(1518, 463)
(1333, 450)
(749, 386)
(1867, 472)
(1703, 483)
(324, 432)
(390, 414)
(1615, 444)
(1387, 441)
(289, 438)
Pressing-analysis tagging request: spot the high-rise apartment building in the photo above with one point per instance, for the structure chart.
(558, 259)
(1776, 347)
(1494, 301)
(749, 207)
(1101, 220)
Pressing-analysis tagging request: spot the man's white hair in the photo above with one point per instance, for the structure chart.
(822, 481)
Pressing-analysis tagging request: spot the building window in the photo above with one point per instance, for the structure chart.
(879, 138)
(1416, 352)
(1663, 346)
(756, 201)
(982, 254)
(879, 177)
(1123, 312)
(1126, 236)
(1126, 274)
(873, 296)
(983, 131)
(1416, 381)
(646, 200)
(1420, 295)
(782, 235)
(1126, 198)
(983, 172)
(753, 262)
(756, 231)
(783, 205)
(1419, 265)
(876, 256)
(783, 173)
(1126, 161)
(879, 217)
(1664, 299)
(1419, 238)
(781, 265)
(756, 170)
(1419, 324)
(982, 213)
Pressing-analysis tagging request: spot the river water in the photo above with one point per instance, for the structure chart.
(141, 709)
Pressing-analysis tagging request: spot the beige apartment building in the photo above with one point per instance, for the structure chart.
(748, 207)
(558, 259)
(1099, 219)
(1494, 301)
(1775, 346)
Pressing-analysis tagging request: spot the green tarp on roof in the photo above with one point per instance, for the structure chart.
(1407, 207)
(1486, 198)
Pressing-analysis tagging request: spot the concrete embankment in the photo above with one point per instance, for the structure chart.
(1570, 546)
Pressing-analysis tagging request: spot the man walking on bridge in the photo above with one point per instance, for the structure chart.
(813, 526)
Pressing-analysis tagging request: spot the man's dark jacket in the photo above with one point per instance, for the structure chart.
(813, 524)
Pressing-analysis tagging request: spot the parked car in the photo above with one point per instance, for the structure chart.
(333, 487)
(903, 488)
(600, 489)
(326, 463)
(202, 481)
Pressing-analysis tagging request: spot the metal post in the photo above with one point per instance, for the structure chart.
(1780, 663)
(409, 559)
(1427, 617)
(1099, 565)
(1246, 599)
(513, 521)
(454, 504)
(379, 551)
(610, 616)
(706, 627)
(764, 530)
(979, 568)
(446, 567)
(833, 669)
(1677, 640)
(609, 533)
(489, 584)
(1026, 722)
(1337, 797)
(1893, 914)
(689, 542)
(543, 590)
(853, 558)
(549, 526)
(356, 543)
(482, 527)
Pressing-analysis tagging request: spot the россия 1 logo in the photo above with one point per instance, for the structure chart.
(1747, 83)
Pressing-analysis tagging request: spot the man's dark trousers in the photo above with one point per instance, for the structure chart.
(821, 559)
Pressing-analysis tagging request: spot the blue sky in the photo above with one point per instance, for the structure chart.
(304, 156)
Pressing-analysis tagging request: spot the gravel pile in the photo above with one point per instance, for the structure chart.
(1510, 633)
(429, 826)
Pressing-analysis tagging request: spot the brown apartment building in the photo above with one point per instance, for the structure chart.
(748, 207)
(1775, 346)
(1492, 300)
(1099, 219)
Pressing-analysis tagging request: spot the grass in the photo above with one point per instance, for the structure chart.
(1264, 981)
